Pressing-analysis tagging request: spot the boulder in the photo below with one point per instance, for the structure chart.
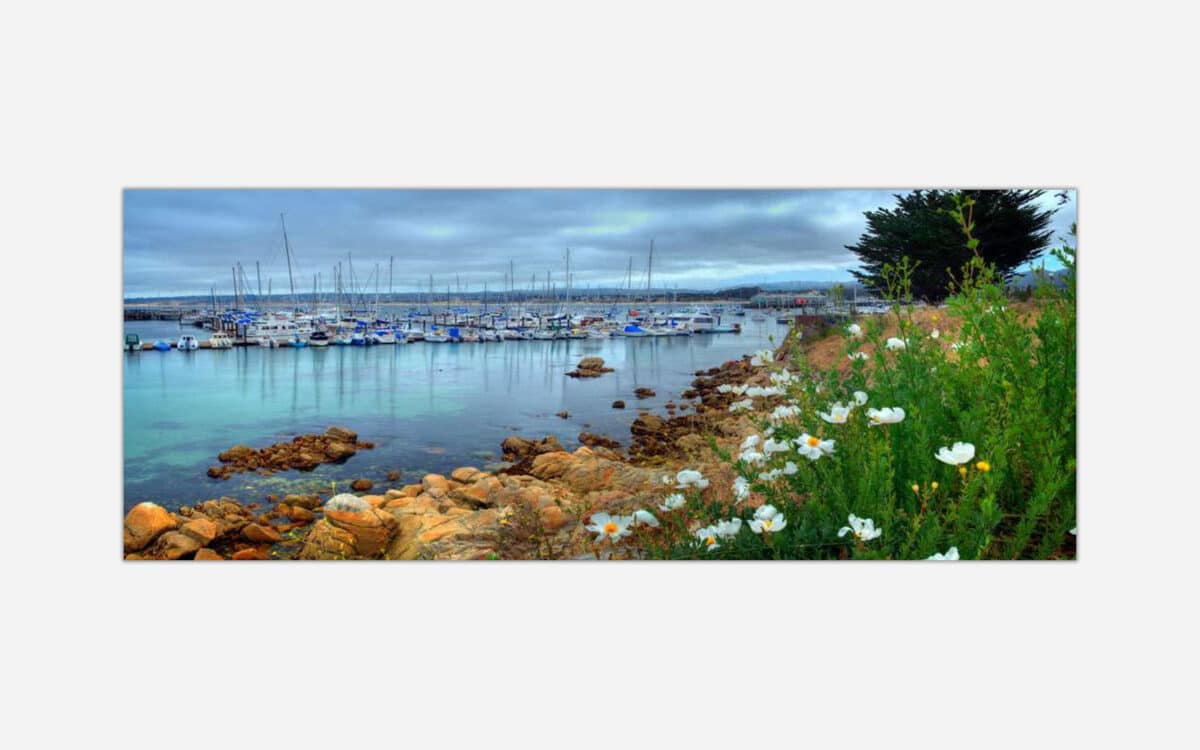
(518, 449)
(251, 553)
(592, 440)
(434, 482)
(174, 545)
(618, 404)
(342, 434)
(361, 485)
(589, 367)
(464, 474)
(207, 554)
(203, 530)
(643, 392)
(370, 531)
(347, 502)
(261, 534)
(303, 501)
(144, 523)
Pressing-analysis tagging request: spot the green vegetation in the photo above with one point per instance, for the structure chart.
(964, 447)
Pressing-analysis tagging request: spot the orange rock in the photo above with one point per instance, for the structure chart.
(464, 474)
(144, 523)
(207, 554)
(553, 518)
(374, 500)
(201, 529)
(361, 485)
(262, 534)
(432, 481)
(250, 553)
(301, 515)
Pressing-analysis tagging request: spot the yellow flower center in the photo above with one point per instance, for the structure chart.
(983, 466)
(934, 485)
(813, 442)
(710, 541)
(610, 528)
(767, 525)
(962, 470)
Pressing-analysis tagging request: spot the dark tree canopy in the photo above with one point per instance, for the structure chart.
(1012, 230)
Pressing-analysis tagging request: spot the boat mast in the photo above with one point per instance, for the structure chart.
(258, 273)
(287, 250)
(649, 268)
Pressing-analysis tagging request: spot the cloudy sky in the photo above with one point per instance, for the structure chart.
(186, 241)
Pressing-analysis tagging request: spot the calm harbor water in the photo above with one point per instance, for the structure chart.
(427, 407)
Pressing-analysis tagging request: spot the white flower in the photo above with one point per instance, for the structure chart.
(855, 330)
(781, 378)
(783, 412)
(672, 502)
(837, 414)
(613, 527)
(863, 528)
(644, 516)
(750, 442)
(728, 529)
(812, 447)
(770, 476)
(790, 468)
(738, 390)
(768, 519)
(860, 398)
(708, 537)
(764, 357)
(933, 335)
(743, 405)
(741, 489)
(752, 457)
(960, 453)
(724, 388)
(887, 415)
(776, 446)
(857, 355)
(896, 344)
(1073, 530)
(666, 479)
(690, 478)
(957, 345)
(769, 431)
(951, 554)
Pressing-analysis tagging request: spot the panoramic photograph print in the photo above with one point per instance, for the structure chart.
(599, 374)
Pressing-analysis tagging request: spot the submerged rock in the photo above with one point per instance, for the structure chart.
(304, 452)
(361, 485)
(518, 449)
(589, 367)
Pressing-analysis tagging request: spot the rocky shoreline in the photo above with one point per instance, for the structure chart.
(535, 508)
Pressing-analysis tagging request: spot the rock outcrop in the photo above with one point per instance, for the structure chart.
(304, 452)
(589, 367)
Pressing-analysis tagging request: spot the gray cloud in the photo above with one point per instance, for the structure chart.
(186, 241)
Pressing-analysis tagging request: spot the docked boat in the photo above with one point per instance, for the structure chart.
(544, 334)
(726, 328)
(384, 336)
(358, 338)
(133, 342)
(319, 339)
(297, 341)
(634, 331)
(220, 340)
(437, 338)
(162, 346)
(187, 343)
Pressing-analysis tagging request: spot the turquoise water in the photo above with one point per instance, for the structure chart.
(427, 407)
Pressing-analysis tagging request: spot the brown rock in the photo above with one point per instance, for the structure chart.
(643, 392)
(589, 367)
(203, 530)
(250, 553)
(342, 434)
(300, 514)
(618, 404)
(361, 485)
(303, 501)
(371, 529)
(464, 474)
(434, 482)
(552, 518)
(563, 414)
(207, 554)
(517, 449)
(592, 440)
(262, 534)
(393, 476)
(144, 522)
(173, 545)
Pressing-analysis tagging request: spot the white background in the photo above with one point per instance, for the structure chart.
(102, 96)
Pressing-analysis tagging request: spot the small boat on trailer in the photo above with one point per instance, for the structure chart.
(220, 340)
(133, 342)
(187, 343)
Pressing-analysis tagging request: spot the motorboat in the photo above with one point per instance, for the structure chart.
(342, 338)
(633, 330)
(358, 338)
(319, 338)
(298, 341)
(487, 335)
(384, 336)
(133, 343)
(220, 340)
(187, 343)
(544, 334)
(437, 338)
(162, 346)
(726, 328)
